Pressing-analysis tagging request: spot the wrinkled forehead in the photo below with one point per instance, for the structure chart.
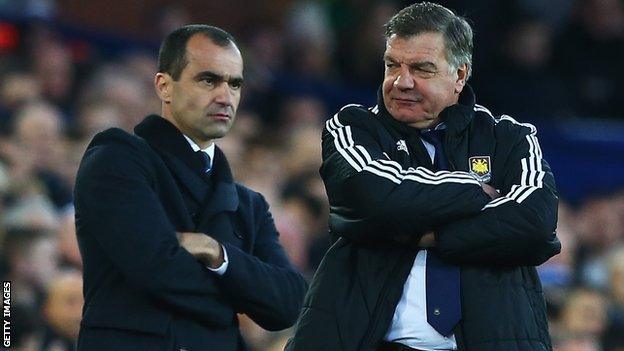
(423, 45)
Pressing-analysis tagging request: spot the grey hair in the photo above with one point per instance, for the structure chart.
(424, 17)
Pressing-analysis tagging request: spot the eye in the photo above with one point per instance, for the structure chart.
(208, 81)
(236, 85)
(425, 72)
(391, 65)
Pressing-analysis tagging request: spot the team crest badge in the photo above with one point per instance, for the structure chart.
(480, 168)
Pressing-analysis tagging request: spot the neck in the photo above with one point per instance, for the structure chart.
(426, 124)
(202, 144)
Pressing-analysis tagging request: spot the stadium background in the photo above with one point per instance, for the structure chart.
(70, 68)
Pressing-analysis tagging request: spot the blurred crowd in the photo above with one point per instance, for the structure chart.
(535, 60)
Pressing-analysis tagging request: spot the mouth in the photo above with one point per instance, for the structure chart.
(406, 101)
(220, 116)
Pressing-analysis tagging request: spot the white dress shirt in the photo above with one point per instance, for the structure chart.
(409, 323)
(210, 151)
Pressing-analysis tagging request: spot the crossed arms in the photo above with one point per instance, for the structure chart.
(374, 199)
(120, 212)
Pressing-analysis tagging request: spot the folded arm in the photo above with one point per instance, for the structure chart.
(116, 205)
(517, 228)
(373, 198)
(264, 285)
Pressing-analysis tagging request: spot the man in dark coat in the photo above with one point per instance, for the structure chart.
(442, 210)
(172, 247)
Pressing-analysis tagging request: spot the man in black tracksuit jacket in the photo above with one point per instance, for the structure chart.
(386, 198)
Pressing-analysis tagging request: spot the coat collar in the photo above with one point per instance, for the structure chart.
(163, 135)
(456, 117)
(176, 152)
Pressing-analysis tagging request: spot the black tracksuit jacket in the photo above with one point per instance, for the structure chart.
(384, 194)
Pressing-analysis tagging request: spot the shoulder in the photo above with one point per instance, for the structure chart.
(352, 115)
(504, 125)
(114, 135)
(117, 139)
(114, 148)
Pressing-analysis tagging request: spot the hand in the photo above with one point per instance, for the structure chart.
(203, 247)
(427, 240)
(492, 193)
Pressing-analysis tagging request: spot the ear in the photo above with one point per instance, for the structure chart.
(162, 84)
(462, 77)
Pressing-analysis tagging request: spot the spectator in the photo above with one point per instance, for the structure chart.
(526, 61)
(599, 223)
(585, 314)
(17, 87)
(614, 337)
(586, 51)
(62, 311)
(38, 134)
(31, 262)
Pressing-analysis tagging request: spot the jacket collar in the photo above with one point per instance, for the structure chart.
(163, 135)
(456, 117)
(176, 152)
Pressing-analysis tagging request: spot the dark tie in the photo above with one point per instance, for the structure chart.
(205, 161)
(441, 279)
(436, 138)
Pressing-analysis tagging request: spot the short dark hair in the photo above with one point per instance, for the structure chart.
(172, 54)
(424, 17)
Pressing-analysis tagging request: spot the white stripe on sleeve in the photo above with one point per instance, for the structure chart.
(360, 159)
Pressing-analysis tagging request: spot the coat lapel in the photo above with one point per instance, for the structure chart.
(175, 151)
(224, 196)
(179, 157)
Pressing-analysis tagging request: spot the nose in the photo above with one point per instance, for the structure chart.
(224, 95)
(404, 81)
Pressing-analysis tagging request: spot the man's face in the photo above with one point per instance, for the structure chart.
(202, 103)
(63, 306)
(418, 81)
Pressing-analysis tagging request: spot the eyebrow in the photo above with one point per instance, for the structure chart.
(218, 77)
(386, 57)
(426, 65)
